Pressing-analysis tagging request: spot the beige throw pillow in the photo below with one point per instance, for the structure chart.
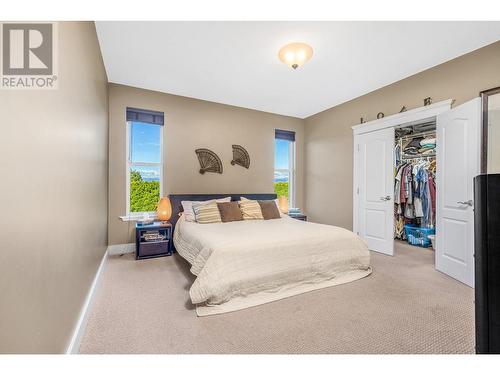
(206, 213)
(250, 210)
(269, 210)
(229, 211)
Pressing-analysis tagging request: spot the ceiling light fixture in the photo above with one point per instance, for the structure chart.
(295, 54)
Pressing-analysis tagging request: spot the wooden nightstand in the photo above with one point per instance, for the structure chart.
(153, 240)
(298, 216)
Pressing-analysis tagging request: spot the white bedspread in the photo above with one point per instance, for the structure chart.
(247, 263)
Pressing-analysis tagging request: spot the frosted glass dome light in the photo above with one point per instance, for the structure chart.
(295, 54)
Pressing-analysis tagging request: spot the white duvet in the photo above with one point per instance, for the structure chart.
(247, 263)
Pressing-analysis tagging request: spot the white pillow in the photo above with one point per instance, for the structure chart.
(187, 206)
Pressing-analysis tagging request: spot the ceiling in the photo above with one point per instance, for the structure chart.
(237, 63)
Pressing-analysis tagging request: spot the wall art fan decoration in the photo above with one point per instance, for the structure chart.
(240, 156)
(209, 161)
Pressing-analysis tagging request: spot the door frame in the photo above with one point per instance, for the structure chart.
(484, 128)
(407, 118)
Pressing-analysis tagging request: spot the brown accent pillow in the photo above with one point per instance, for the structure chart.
(269, 210)
(229, 211)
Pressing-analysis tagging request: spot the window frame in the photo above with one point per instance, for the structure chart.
(291, 171)
(129, 164)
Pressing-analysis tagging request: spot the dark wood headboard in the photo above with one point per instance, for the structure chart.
(175, 200)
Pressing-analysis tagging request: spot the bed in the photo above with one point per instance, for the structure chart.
(248, 263)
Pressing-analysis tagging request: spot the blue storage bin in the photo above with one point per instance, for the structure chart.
(418, 236)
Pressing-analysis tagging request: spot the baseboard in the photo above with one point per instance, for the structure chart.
(76, 337)
(124, 248)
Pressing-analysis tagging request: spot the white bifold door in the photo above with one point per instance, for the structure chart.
(375, 189)
(458, 162)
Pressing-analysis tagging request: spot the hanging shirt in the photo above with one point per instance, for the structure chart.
(409, 211)
(408, 183)
(432, 192)
(418, 207)
(397, 187)
(424, 195)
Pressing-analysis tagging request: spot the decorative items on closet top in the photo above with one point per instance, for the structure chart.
(415, 185)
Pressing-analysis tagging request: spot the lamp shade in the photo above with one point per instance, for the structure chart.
(164, 209)
(283, 204)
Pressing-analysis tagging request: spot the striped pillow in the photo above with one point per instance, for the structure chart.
(187, 207)
(206, 213)
(250, 210)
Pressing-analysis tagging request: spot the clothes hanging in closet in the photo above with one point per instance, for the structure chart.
(415, 195)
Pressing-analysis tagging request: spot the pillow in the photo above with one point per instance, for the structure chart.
(269, 210)
(250, 210)
(187, 206)
(206, 213)
(272, 200)
(229, 211)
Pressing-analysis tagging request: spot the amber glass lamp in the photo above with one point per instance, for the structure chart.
(283, 204)
(164, 209)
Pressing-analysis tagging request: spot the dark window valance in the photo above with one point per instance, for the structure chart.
(143, 115)
(287, 135)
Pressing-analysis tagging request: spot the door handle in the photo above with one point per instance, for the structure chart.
(386, 198)
(470, 202)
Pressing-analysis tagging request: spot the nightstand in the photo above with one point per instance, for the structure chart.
(153, 240)
(298, 216)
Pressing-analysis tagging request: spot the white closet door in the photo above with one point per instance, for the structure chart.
(375, 189)
(458, 143)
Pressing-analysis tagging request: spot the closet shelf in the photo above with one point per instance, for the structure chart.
(429, 156)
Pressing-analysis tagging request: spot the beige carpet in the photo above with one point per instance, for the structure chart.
(405, 306)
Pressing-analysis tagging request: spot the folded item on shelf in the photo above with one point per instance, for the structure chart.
(428, 151)
(428, 146)
(415, 142)
(428, 141)
(425, 150)
(411, 151)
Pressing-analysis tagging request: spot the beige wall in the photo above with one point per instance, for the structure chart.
(328, 138)
(192, 124)
(54, 170)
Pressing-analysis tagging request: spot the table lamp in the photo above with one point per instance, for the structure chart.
(283, 204)
(164, 209)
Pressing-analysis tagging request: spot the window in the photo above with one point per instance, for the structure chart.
(144, 161)
(284, 165)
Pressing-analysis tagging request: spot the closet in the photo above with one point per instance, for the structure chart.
(439, 147)
(415, 183)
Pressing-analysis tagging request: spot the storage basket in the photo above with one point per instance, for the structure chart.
(418, 236)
